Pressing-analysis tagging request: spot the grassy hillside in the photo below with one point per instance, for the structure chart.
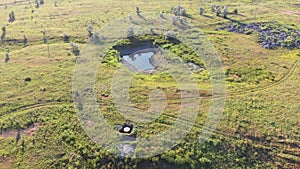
(260, 123)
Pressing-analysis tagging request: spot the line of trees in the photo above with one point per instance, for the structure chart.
(218, 10)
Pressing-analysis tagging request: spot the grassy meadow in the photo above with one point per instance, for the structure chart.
(260, 123)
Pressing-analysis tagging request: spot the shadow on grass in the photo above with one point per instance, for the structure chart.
(187, 16)
(237, 14)
(208, 16)
(233, 20)
(141, 16)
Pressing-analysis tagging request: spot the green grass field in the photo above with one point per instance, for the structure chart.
(260, 124)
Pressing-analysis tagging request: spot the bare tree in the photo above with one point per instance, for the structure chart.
(25, 41)
(96, 38)
(152, 31)
(179, 11)
(235, 11)
(75, 49)
(130, 32)
(130, 18)
(6, 56)
(3, 35)
(225, 12)
(66, 38)
(175, 20)
(218, 11)
(213, 8)
(162, 15)
(138, 12)
(89, 29)
(11, 17)
(202, 10)
(37, 4)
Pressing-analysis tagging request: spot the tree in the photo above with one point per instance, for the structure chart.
(96, 38)
(66, 38)
(152, 31)
(42, 2)
(11, 17)
(225, 12)
(202, 10)
(25, 41)
(175, 20)
(6, 56)
(218, 11)
(213, 8)
(235, 11)
(75, 49)
(37, 4)
(182, 21)
(130, 32)
(89, 29)
(3, 35)
(170, 35)
(162, 15)
(138, 12)
(179, 11)
(130, 18)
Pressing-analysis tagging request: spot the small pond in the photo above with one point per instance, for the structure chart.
(141, 61)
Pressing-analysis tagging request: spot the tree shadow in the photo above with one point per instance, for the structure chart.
(162, 17)
(141, 16)
(188, 16)
(233, 20)
(237, 14)
(208, 16)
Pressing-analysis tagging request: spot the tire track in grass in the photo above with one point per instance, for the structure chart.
(228, 135)
(27, 108)
(254, 141)
(259, 89)
(14, 3)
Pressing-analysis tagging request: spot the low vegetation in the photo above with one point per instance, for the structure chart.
(39, 126)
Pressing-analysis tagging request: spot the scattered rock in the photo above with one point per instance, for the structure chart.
(271, 35)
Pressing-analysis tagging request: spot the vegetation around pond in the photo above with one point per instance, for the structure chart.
(41, 41)
(174, 46)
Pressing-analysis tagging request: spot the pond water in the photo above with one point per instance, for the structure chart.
(141, 61)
